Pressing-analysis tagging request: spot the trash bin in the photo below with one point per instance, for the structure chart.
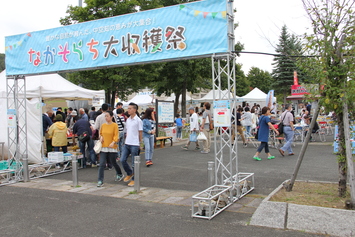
(171, 132)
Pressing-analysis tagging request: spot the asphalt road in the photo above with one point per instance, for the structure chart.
(34, 212)
(178, 169)
(42, 213)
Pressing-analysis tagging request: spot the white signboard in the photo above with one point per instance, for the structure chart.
(166, 112)
(11, 118)
(222, 113)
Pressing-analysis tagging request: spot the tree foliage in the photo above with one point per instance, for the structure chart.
(332, 40)
(2, 62)
(259, 78)
(285, 65)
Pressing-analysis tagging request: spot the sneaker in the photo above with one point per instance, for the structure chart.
(127, 178)
(131, 184)
(119, 177)
(271, 157)
(147, 163)
(197, 148)
(245, 145)
(57, 166)
(93, 166)
(256, 158)
(100, 184)
(151, 162)
(185, 147)
(204, 152)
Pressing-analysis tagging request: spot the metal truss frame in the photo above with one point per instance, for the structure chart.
(17, 133)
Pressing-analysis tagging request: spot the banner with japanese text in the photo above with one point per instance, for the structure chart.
(180, 31)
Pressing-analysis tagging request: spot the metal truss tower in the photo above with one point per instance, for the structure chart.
(17, 128)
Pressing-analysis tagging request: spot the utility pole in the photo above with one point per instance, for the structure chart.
(80, 3)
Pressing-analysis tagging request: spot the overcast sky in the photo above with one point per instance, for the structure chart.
(259, 21)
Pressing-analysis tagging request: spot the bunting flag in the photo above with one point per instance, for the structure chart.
(204, 14)
(17, 44)
(196, 12)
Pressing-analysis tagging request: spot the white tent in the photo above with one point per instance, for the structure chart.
(49, 86)
(218, 95)
(141, 100)
(172, 97)
(256, 96)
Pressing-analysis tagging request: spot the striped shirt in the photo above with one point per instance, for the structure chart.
(121, 123)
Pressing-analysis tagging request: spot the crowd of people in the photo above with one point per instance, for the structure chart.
(120, 133)
(123, 134)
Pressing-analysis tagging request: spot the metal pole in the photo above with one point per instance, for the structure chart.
(26, 174)
(80, 3)
(210, 173)
(75, 170)
(137, 173)
(289, 185)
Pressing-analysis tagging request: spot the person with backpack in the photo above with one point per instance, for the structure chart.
(84, 129)
(287, 119)
(263, 134)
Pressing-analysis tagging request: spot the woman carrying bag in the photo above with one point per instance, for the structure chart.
(263, 134)
(148, 135)
(109, 137)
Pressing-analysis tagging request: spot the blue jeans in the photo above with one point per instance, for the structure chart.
(247, 128)
(149, 147)
(289, 139)
(262, 146)
(121, 144)
(178, 132)
(112, 157)
(129, 149)
(90, 145)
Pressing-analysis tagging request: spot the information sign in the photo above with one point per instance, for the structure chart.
(222, 113)
(166, 112)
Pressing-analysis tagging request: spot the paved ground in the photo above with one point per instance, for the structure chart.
(164, 206)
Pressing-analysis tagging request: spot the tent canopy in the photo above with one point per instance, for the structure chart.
(255, 95)
(218, 93)
(53, 86)
(141, 100)
(172, 97)
(48, 86)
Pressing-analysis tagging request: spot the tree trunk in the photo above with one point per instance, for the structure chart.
(341, 157)
(113, 98)
(176, 102)
(183, 101)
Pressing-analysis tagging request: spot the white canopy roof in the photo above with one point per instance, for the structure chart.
(172, 97)
(255, 95)
(37, 88)
(218, 93)
(52, 86)
(141, 100)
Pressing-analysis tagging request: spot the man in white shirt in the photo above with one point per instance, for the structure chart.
(194, 127)
(133, 131)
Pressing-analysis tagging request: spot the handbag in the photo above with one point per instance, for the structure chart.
(193, 137)
(97, 147)
(84, 137)
(257, 134)
(201, 136)
(281, 126)
(211, 122)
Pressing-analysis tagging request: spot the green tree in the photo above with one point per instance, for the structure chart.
(285, 65)
(259, 78)
(333, 40)
(181, 76)
(2, 62)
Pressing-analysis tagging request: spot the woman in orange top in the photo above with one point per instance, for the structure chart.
(109, 136)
